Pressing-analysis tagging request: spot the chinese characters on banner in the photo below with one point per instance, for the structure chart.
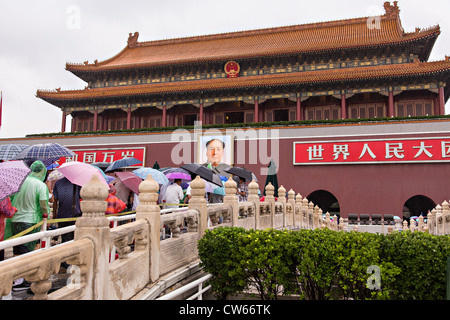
(372, 151)
(104, 155)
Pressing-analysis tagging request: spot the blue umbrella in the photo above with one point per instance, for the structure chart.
(107, 178)
(122, 163)
(9, 151)
(45, 151)
(158, 176)
(220, 190)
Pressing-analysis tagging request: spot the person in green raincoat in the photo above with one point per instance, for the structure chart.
(31, 203)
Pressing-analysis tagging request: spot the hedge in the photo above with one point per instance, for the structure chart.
(322, 264)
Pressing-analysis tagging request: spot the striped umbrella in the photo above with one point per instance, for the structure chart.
(158, 176)
(9, 151)
(45, 151)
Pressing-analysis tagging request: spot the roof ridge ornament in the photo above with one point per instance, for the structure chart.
(133, 40)
(392, 11)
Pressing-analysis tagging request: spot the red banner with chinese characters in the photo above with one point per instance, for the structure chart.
(372, 151)
(105, 155)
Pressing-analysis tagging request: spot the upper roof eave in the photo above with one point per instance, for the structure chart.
(415, 69)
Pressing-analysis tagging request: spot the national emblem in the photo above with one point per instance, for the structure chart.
(232, 69)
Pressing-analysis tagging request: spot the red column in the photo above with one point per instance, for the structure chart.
(63, 123)
(201, 113)
(256, 117)
(129, 118)
(164, 116)
(391, 104)
(343, 107)
(95, 119)
(441, 101)
(299, 115)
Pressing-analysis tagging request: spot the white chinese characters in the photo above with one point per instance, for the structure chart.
(376, 151)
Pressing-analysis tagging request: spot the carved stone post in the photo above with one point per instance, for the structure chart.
(439, 220)
(254, 198)
(298, 218)
(412, 225)
(94, 225)
(148, 209)
(199, 203)
(270, 190)
(432, 221)
(282, 199)
(316, 221)
(231, 198)
(405, 225)
(446, 217)
(420, 225)
(305, 213)
(291, 201)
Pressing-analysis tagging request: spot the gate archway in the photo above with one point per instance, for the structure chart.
(417, 205)
(326, 201)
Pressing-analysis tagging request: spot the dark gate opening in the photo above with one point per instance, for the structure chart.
(326, 201)
(417, 205)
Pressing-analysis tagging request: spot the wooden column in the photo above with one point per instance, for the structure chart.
(200, 118)
(164, 117)
(129, 118)
(343, 107)
(391, 104)
(441, 101)
(63, 122)
(256, 118)
(74, 124)
(299, 115)
(95, 119)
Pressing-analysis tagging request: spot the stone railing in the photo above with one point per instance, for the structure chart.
(142, 257)
(438, 221)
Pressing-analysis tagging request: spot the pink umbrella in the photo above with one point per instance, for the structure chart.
(80, 173)
(12, 176)
(130, 180)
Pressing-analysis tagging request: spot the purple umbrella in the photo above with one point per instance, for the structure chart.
(178, 175)
(12, 176)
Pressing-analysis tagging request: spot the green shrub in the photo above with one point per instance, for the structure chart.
(218, 251)
(422, 258)
(322, 264)
(262, 255)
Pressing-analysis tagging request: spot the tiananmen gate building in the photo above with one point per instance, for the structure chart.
(352, 111)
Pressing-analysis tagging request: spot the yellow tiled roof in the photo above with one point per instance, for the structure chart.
(298, 39)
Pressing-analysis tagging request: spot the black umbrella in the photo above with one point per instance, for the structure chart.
(241, 172)
(122, 163)
(203, 172)
(102, 165)
(272, 178)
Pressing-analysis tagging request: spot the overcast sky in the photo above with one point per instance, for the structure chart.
(39, 37)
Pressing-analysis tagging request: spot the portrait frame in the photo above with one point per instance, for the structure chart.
(228, 139)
